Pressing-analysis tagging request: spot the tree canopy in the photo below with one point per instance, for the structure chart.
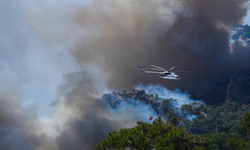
(159, 135)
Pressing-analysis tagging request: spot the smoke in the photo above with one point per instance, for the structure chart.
(191, 35)
(58, 58)
(30, 62)
(91, 118)
(15, 128)
(180, 97)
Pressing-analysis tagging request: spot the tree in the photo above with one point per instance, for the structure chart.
(156, 96)
(245, 123)
(239, 143)
(218, 123)
(219, 140)
(159, 135)
(224, 118)
(166, 106)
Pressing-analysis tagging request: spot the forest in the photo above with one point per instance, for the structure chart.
(216, 127)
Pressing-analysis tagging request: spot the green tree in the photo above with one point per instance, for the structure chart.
(166, 106)
(241, 144)
(218, 123)
(219, 140)
(159, 135)
(193, 109)
(223, 118)
(245, 123)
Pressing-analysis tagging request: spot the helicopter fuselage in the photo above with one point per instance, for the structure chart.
(169, 75)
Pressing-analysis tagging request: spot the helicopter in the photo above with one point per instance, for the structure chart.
(163, 73)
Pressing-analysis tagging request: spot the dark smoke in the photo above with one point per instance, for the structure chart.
(88, 125)
(191, 35)
(15, 129)
(82, 133)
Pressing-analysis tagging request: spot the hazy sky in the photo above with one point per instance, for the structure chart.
(247, 18)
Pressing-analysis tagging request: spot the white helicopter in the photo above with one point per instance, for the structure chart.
(164, 73)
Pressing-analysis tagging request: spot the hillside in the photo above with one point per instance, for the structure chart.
(217, 122)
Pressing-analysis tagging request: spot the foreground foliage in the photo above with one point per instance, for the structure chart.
(171, 135)
(159, 135)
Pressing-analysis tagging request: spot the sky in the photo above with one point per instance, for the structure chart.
(246, 20)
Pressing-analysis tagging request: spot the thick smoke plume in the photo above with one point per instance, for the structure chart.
(67, 54)
(92, 118)
(191, 35)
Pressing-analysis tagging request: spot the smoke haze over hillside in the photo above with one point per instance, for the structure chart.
(58, 58)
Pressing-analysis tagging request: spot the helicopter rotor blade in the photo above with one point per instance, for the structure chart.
(171, 68)
(157, 67)
(184, 71)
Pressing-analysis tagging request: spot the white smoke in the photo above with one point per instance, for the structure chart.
(34, 63)
(181, 97)
(132, 112)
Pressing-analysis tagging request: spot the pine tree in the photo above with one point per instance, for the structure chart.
(159, 135)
